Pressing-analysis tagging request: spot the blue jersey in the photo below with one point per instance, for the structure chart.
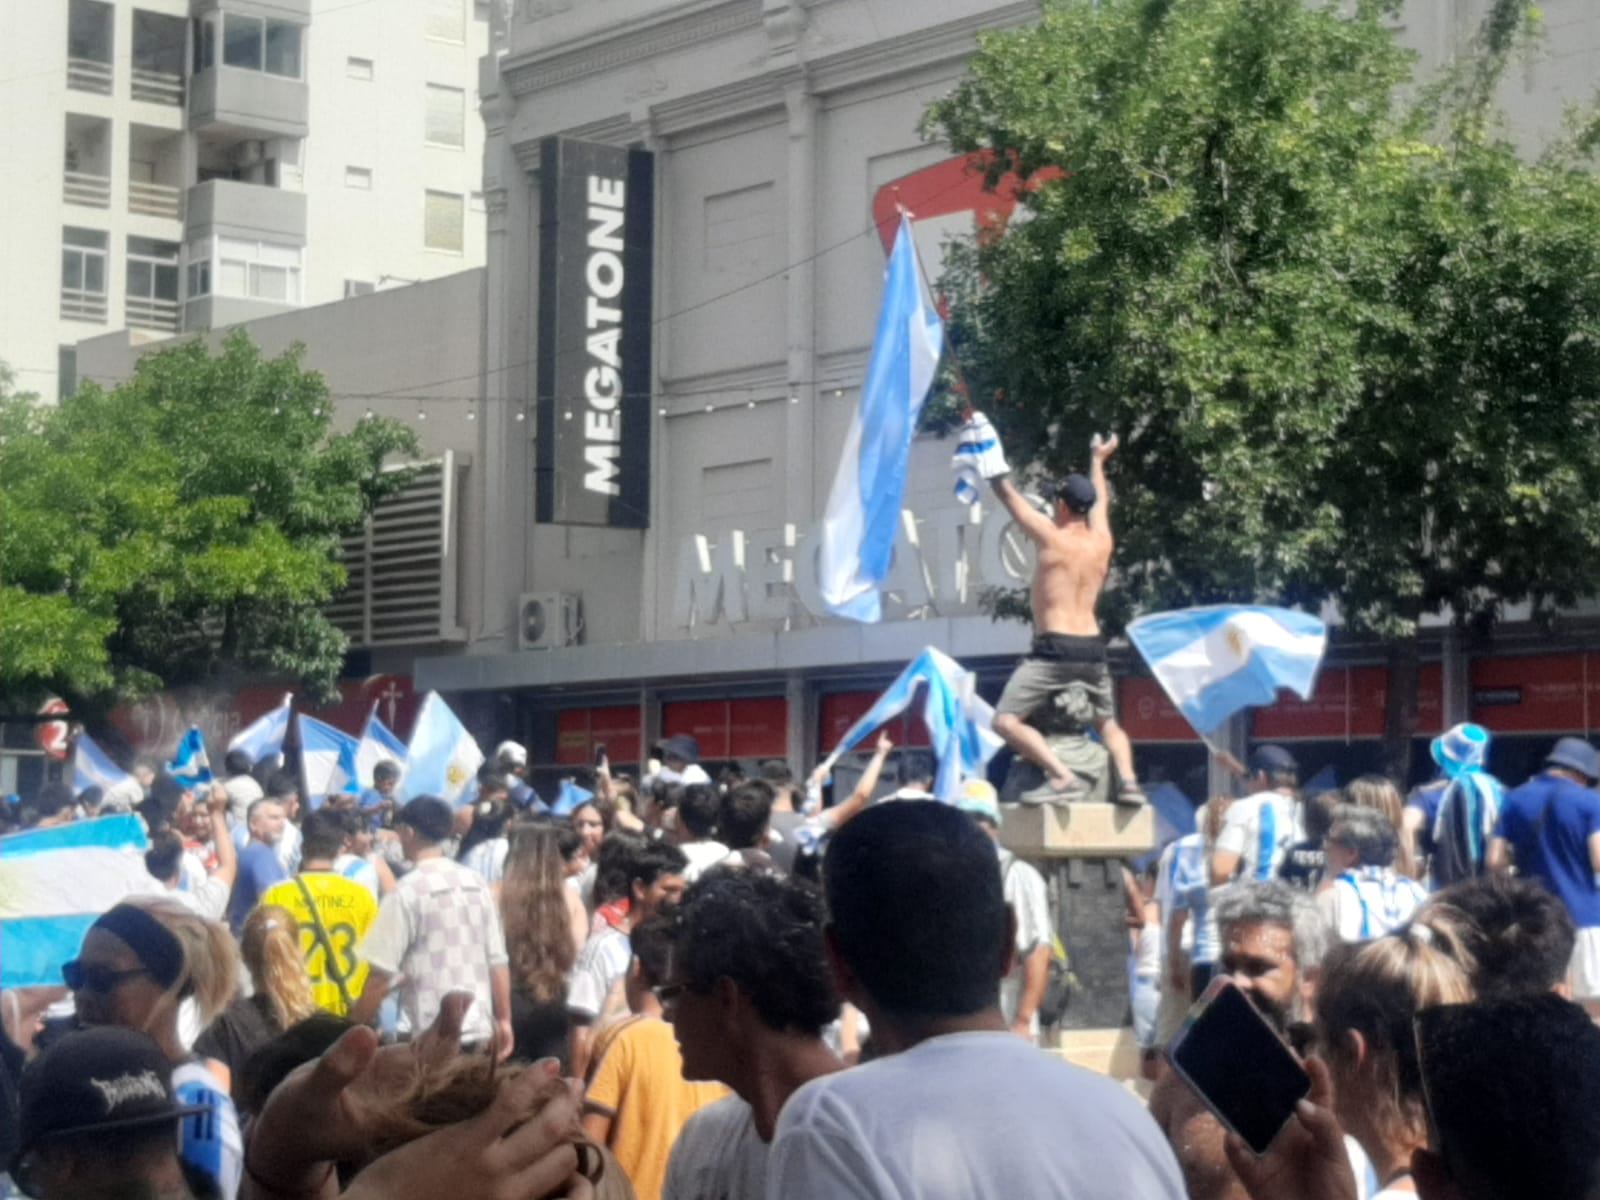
(1548, 821)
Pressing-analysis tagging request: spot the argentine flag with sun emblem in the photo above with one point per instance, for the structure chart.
(1214, 661)
(443, 758)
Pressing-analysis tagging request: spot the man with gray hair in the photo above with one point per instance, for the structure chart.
(1365, 897)
(1273, 940)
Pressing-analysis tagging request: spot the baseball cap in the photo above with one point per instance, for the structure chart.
(1272, 758)
(1077, 493)
(514, 753)
(430, 816)
(95, 1081)
(979, 799)
(681, 745)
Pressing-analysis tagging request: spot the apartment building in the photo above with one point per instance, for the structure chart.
(178, 165)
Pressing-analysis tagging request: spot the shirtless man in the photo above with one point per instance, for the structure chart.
(1074, 556)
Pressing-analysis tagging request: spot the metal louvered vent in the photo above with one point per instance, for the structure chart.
(402, 565)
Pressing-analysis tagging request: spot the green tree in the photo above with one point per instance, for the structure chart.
(180, 528)
(1351, 341)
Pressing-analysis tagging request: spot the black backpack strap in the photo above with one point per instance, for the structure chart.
(323, 940)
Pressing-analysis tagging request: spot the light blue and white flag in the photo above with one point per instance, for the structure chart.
(863, 513)
(960, 723)
(54, 882)
(442, 759)
(263, 738)
(1214, 661)
(379, 744)
(92, 767)
(327, 760)
(570, 797)
(190, 766)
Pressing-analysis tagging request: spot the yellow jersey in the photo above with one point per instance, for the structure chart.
(348, 910)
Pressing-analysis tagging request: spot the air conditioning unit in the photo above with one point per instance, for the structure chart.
(546, 620)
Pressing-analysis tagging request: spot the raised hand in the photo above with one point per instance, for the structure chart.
(1103, 448)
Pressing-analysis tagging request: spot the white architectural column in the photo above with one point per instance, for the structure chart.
(801, 424)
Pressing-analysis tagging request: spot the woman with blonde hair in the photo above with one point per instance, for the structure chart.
(269, 943)
(138, 964)
(1368, 998)
(545, 926)
(1376, 791)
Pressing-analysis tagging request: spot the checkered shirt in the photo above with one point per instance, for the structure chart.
(439, 929)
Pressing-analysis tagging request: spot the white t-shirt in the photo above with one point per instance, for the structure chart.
(595, 987)
(1369, 902)
(288, 848)
(1267, 822)
(243, 791)
(995, 1119)
(693, 773)
(702, 857)
(1028, 897)
(718, 1156)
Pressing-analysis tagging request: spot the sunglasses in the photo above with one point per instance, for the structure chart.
(91, 977)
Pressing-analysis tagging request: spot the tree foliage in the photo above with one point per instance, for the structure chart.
(180, 528)
(1350, 339)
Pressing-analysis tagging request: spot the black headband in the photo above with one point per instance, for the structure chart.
(157, 946)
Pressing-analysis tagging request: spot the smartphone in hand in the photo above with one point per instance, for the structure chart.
(600, 754)
(1238, 1065)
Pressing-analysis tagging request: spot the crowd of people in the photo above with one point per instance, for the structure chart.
(706, 989)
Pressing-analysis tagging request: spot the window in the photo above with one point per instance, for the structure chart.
(258, 270)
(66, 371)
(241, 41)
(358, 177)
(446, 21)
(199, 259)
(152, 269)
(283, 49)
(443, 220)
(357, 287)
(205, 42)
(256, 44)
(358, 68)
(446, 116)
(83, 260)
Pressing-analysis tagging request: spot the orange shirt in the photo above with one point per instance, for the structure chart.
(639, 1083)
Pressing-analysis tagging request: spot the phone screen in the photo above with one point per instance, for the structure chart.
(1238, 1065)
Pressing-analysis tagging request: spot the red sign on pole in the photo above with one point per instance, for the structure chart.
(52, 735)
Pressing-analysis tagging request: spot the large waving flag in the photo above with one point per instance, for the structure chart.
(959, 722)
(263, 738)
(379, 743)
(442, 759)
(863, 513)
(190, 766)
(1214, 661)
(54, 882)
(327, 760)
(92, 767)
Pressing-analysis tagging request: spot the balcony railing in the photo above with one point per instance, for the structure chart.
(87, 75)
(147, 312)
(79, 305)
(155, 200)
(91, 191)
(157, 87)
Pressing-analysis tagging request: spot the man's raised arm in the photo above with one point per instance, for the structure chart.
(1099, 451)
(1028, 518)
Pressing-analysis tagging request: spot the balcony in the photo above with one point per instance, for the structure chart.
(87, 75)
(145, 312)
(78, 304)
(248, 210)
(88, 191)
(241, 103)
(158, 87)
(155, 200)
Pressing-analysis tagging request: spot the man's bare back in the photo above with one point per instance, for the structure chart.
(1073, 563)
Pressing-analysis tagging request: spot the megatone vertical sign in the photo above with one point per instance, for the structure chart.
(596, 236)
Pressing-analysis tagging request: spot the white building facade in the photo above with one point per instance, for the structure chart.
(185, 164)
